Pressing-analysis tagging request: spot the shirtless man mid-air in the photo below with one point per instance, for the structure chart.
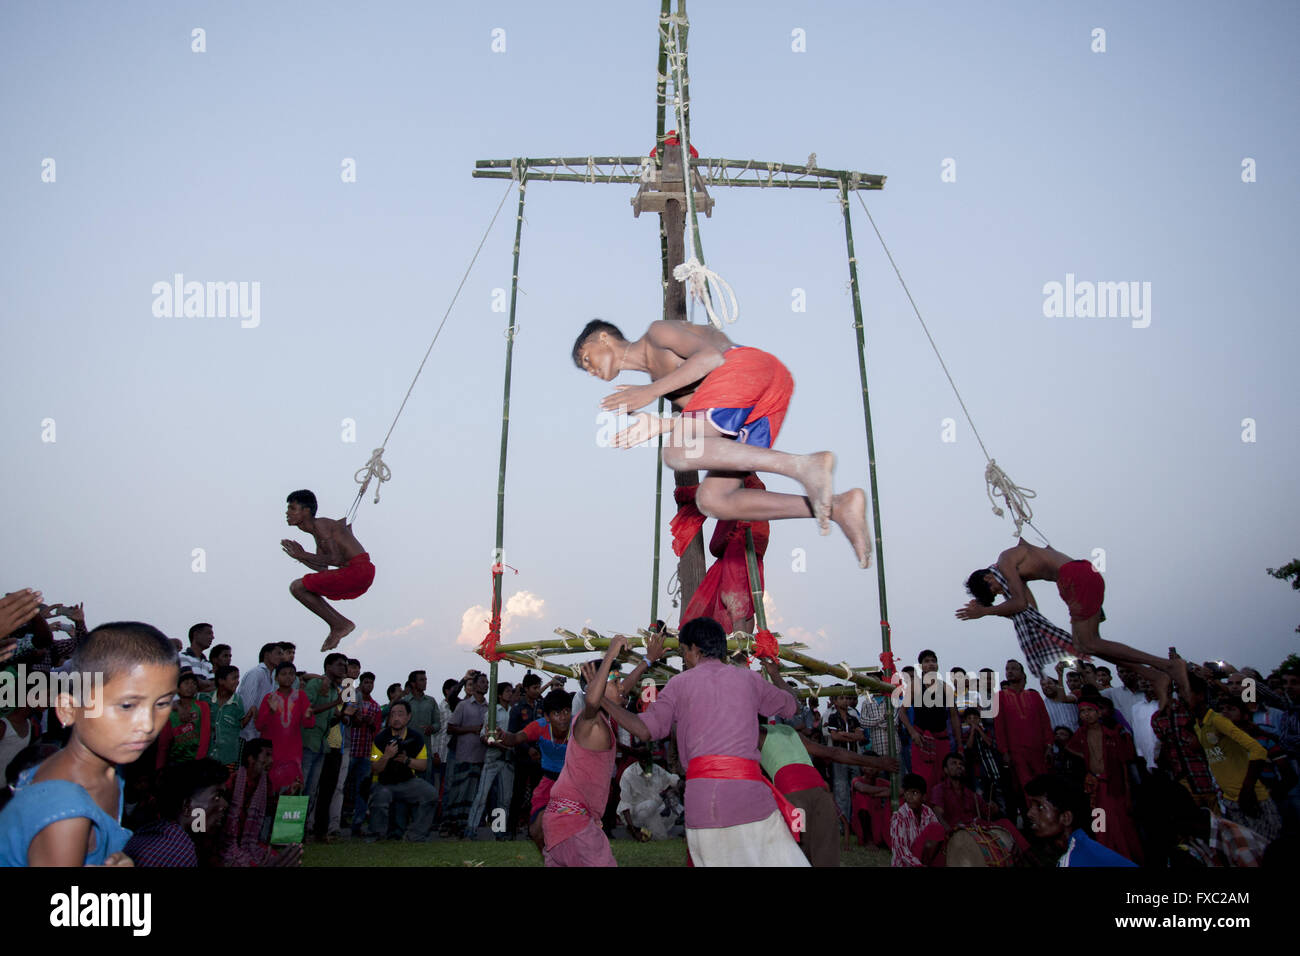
(1080, 587)
(732, 400)
(336, 548)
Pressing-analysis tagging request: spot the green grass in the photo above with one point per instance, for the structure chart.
(517, 853)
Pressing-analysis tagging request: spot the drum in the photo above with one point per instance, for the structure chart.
(977, 844)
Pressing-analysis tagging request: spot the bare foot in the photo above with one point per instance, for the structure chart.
(337, 634)
(815, 473)
(850, 513)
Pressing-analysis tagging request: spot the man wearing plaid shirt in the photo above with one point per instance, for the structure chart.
(874, 717)
(363, 725)
(1181, 753)
(1208, 839)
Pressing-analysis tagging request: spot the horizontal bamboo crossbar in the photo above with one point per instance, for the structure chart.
(714, 172)
(537, 654)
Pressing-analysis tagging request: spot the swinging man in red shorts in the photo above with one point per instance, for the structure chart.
(733, 400)
(336, 546)
(1080, 587)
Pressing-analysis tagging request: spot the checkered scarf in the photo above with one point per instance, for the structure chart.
(1042, 642)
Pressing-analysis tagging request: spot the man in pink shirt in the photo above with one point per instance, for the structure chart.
(732, 817)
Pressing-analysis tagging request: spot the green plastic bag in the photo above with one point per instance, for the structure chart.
(290, 820)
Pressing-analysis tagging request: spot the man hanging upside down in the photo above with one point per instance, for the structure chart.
(733, 400)
(337, 547)
(1080, 587)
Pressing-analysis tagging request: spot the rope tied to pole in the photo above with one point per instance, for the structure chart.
(697, 276)
(692, 272)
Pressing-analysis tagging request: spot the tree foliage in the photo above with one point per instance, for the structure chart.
(1288, 572)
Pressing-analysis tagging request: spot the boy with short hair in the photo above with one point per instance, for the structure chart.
(229, 717)
(188, 732)
(66, 810)
(551, 735)
(911, 817)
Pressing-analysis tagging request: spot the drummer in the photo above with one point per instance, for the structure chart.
(956, 805)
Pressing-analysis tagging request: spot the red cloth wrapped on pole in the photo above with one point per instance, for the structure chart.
(765, 645)
(488, 647)
(670, 139)
(887, 664)
(688, 521)
(724, 593)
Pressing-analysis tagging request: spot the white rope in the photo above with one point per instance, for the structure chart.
(998, 485)
(374, 468)
(697, 277)
(692, 272)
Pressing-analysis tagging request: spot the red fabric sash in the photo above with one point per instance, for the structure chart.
(719, 767)
(799, 776)
(724, 594)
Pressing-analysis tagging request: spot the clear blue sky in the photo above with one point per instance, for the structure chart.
(175, 433)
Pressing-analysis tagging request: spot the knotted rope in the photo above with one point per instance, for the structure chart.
(692, 271)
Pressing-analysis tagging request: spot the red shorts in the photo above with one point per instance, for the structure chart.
(345, 583)
(541, 797)
(746, 397)
(1081, 588)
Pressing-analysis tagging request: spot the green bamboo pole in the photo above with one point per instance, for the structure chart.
(755, 582)
(661, 100)
(859, 328)
(499, 554)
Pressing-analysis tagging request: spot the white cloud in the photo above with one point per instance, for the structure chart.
(816, 640)
(520, 606)
(368, 635)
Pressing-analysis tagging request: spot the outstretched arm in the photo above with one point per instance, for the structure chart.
(840, 755)
(596, 681)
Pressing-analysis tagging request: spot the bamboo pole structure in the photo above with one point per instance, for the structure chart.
(859, 329)
(661, 92)
(498, 555)
(713, 171)
(533, 653)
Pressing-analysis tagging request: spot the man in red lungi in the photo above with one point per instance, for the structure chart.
(1022, 728)
(1080, 587)
(337, 547)
(733, 400)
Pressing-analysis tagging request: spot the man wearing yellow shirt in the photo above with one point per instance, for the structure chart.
(1236, 759)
